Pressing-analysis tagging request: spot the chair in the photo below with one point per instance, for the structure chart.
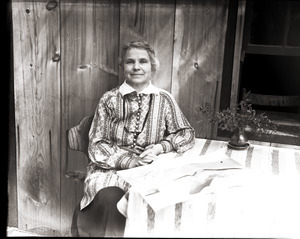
(78, 139)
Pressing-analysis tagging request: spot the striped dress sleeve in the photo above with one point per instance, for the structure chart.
(102, 151)
(180, 136)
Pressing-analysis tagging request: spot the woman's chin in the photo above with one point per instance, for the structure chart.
(138, 83)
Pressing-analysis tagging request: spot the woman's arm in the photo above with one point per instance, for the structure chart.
(102, 150)
(180, 136)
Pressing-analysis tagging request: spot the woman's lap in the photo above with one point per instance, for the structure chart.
(101, 217)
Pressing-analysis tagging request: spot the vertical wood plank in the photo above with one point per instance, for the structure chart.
(237, 53)
(152, 21)
(200, 29)
(229, 54)
(90, 44)
(12, 216)
(37, 115)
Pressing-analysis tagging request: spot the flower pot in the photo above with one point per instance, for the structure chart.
(238, 140)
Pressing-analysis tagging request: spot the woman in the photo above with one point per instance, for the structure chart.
(133, 123)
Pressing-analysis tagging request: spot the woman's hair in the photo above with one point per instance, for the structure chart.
(144, 46)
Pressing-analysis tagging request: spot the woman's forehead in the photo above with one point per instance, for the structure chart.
(136, 53)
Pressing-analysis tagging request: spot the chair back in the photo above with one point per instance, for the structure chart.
(78, 136)
(78, 139)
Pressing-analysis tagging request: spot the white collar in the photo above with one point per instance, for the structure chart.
(127, 89)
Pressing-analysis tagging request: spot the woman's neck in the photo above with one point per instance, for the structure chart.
(139, 87)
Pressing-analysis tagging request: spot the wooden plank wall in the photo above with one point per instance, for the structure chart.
(237, 53)
(90, 41)
(86, 37)
(199, 39)
(36, 39)
(154, 22)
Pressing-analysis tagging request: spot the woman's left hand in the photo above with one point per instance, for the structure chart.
(148, 159)
(152, 149)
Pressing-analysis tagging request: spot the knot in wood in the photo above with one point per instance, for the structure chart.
(56, 57)
(51, 5)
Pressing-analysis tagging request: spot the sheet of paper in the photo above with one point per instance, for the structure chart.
(172, 180)
(173, 167)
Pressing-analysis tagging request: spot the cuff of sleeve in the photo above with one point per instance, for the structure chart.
(125, 160)
(167, 146)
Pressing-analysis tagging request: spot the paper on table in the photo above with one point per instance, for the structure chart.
(179, 191)
(182, 164)
(172, 176)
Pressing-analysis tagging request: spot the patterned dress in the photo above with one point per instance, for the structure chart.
(126, 118)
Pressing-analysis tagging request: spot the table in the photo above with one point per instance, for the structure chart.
(255, 194)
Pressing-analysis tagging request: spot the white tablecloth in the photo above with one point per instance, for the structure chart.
(239, 202)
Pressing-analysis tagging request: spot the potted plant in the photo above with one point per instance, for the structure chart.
(237, 120)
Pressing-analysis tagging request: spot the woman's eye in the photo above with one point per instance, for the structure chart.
(141, 61)
(129, 62)
(144, 61)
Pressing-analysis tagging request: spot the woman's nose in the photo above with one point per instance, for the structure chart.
(136, 66)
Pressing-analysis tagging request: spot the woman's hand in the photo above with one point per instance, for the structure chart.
(148, 156)
(152, 149)
(138, 161)
(148, 159)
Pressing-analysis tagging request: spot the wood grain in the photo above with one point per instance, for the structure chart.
(152, 21)
(90, 42)
(237, 53)
(37, 114)
(200, 29)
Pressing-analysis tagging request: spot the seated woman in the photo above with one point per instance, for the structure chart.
(133, 123)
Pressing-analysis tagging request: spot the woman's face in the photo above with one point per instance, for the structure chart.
(137, 68)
